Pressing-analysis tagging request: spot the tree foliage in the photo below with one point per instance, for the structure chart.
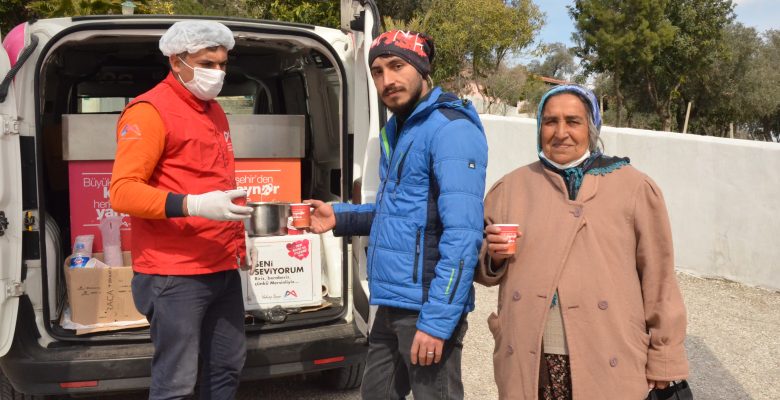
(473, 37)
(324, 13)
(503, 88)
(68, 8)
(12, 13)
(620, 37)
(651, 47)
(401, 10)
(559, 62)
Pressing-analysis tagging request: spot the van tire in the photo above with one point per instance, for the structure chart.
(7, 391)
(344, 378)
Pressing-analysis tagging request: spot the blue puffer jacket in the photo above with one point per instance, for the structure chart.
(426, 224)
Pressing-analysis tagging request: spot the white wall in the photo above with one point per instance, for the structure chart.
(723, 195)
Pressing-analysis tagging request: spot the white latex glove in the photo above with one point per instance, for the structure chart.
(218, 205)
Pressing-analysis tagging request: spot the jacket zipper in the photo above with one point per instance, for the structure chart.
(416, 257)
(379, 204)
(457, 282)
(400, 168)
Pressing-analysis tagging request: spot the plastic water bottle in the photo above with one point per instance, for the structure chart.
(82, 251)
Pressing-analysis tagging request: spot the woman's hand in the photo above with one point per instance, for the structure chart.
(497, 244)
(322, 217)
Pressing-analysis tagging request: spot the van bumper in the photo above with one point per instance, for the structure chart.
(36, 370)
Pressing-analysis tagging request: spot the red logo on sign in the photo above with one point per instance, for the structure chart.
(299, 249)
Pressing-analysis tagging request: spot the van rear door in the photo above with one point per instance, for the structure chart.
(364, 21)
(10, 207)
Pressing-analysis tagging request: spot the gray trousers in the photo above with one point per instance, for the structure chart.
(389, 373)
(194, 319)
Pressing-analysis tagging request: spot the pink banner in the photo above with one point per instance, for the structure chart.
(89, 201)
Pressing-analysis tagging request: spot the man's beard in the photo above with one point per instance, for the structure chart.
(403, 110)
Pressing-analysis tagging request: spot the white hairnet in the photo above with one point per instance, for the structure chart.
(194, 35)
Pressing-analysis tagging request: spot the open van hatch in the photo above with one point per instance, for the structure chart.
(89, 73)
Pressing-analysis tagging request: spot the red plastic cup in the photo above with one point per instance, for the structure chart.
(301, 215)
(509, 231)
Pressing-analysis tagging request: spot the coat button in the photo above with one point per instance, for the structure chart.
(603, 305)
(510, 350)
(613, 362)
(516, 296)
(577, 212)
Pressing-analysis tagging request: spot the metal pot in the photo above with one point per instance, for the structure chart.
(268, 219)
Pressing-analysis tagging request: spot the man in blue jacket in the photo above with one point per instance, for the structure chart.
(425, 228)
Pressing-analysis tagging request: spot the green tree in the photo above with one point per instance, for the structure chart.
(558, 63)
(401, 10)
(473, 37)
(655, 45)
(325, 13)
(619, 37)
(68, 8)
(700, 26)
(503, 88)
(532, 93)
(728, 91)
(766, 76)
(12, 13)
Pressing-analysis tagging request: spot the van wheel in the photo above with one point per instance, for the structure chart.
(344, 378)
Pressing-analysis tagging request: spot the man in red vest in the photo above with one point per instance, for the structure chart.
(175, 175)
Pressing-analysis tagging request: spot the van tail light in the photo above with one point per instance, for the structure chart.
(78, 385)
(331, 360)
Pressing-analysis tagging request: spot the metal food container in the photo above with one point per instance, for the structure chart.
(268, 219)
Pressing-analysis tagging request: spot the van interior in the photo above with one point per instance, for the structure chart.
(91, 76)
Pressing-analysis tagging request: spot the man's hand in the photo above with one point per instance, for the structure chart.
(426, 349)
(651, 384)
(217, 205)
(322, 218)
(497, 243)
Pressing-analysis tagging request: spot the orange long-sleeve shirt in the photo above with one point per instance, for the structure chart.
(140, 143)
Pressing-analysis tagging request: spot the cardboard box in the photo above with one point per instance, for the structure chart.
(101, 295)
(285, 270)
(89, 183)
(273, 179)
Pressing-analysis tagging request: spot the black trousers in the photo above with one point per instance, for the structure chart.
(193, 317)
(389, 372)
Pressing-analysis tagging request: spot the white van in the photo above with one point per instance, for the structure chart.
(66, 90)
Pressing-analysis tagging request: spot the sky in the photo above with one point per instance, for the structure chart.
(760, 14)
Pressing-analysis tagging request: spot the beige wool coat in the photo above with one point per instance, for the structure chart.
(609, 254)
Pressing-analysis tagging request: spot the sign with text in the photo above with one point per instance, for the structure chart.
(285, 270)
(89, 183)
(270, 180)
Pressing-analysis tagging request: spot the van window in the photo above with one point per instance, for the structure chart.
(237, 104)
(103, 105)
(91, 105)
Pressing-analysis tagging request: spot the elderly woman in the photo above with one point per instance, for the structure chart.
(588, 305)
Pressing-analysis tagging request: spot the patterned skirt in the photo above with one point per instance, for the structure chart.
(554, 378)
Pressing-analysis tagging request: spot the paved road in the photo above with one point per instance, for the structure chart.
(733, 345)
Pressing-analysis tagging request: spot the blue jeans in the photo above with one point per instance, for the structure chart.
(192, 316)
(389, 372)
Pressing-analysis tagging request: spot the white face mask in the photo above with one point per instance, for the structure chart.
(206, 82)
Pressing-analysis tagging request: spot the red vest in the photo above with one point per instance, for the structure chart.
(198, 158)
